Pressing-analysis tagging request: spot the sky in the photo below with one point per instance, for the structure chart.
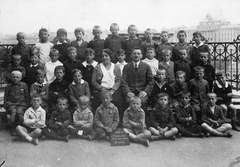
(30, 15)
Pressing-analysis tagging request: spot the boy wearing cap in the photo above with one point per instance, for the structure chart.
(62, 44)
(224, 92)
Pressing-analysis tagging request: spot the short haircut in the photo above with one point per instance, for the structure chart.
(36, 95)
(76, 71)
(21, 34)
(71, 49)
(59, 68)
(16, 56)
(131, 26)
(16, 72)
(167, 50)
(220, 74)
(197, 33)
(148, 30)
(61, 31)
(185, 93)
(163, 32)
(162, 95)
(35, 54)
(151, 48)
(120, 51)
(42, 30)
(204, 52)
(108, 52)
(40, 72)
(62, 99)
(78, 30)
(96, 27)
(84, 98)
(182, 50)
(182, 31)
(54, 51)
(212, 94)
(161, 69)
(135, 99)
(199, 68)
(181, 73)
(89, 51)
(136, 48)
(106, 93)
(114, 25)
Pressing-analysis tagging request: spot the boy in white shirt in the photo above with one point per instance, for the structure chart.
(151, 60)
(121, 59)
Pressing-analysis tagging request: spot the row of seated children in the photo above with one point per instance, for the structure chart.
(84, 125)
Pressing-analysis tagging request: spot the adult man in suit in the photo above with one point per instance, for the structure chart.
(137, 79)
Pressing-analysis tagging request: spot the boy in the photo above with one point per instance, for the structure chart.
(134, 122)
(62, 44)
(181, 45)
(178, 87)
(131, 42)
(198, 47)
(163, 46)
(34, 121)
(168, 65)
(160, 86)
(209, 71)
(15, 66)
(148, 43)
(50, 65)
(79, 43)
(121, 59)
(186, 118)
(41, 87)
(22, 49)
(97, 44)
(224, 92)
(71, 64)
(16, 100)
(162, 121)
(114, 42)
(43, 47)
(184, 64)
(213, 119)
(82, 120)
(57, 128)
(31, 70)
(58, 88)
(151, 61)
(199, 88)
(106, 118)
(88, 67)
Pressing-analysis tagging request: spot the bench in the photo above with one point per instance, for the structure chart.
(3, 113)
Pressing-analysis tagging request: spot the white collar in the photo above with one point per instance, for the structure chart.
(38, 84)
(124, 63)
(82, 81)
(201, 43)
(220, 86)
(31, 65)
(94, 63)
(59, 43)
(136, 63)
(148, 60)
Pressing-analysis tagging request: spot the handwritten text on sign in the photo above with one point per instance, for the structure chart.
(120, 138)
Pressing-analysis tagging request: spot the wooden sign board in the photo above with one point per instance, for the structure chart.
(120, 138)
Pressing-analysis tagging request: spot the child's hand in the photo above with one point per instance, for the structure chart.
(58, 123)
(109, 130)
(55, 93)
(142, 94)
(130, 94)
(189, 118)
(42, 93)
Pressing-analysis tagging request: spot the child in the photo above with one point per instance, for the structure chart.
(71, 64)
(114, 42)
(224, 92)
(162, 120)
(134, 122)
(16, 66)
(121, 59)
(149, 43)
(43, 47)
(209, 71)
(213, 119)
(22, 49)
(41, 87)
(160, 86)
(131, 42)
(31, 70)
(181, 45)
(34, 121)
(178, 87)
(88, 67)
(198, 47)
(106, 118)
(50, 65)
(163, 46)
(199, 88)
(78, 88)
(184, 64)
(97, 44)
(80, 44)
(168, 65)
(82, 120)
(62, 44)
(151, 61)
(59, 122)
(58, 88)
(16, 100)
(186, 118)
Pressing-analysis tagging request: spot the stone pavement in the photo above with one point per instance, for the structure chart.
(183, 152)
